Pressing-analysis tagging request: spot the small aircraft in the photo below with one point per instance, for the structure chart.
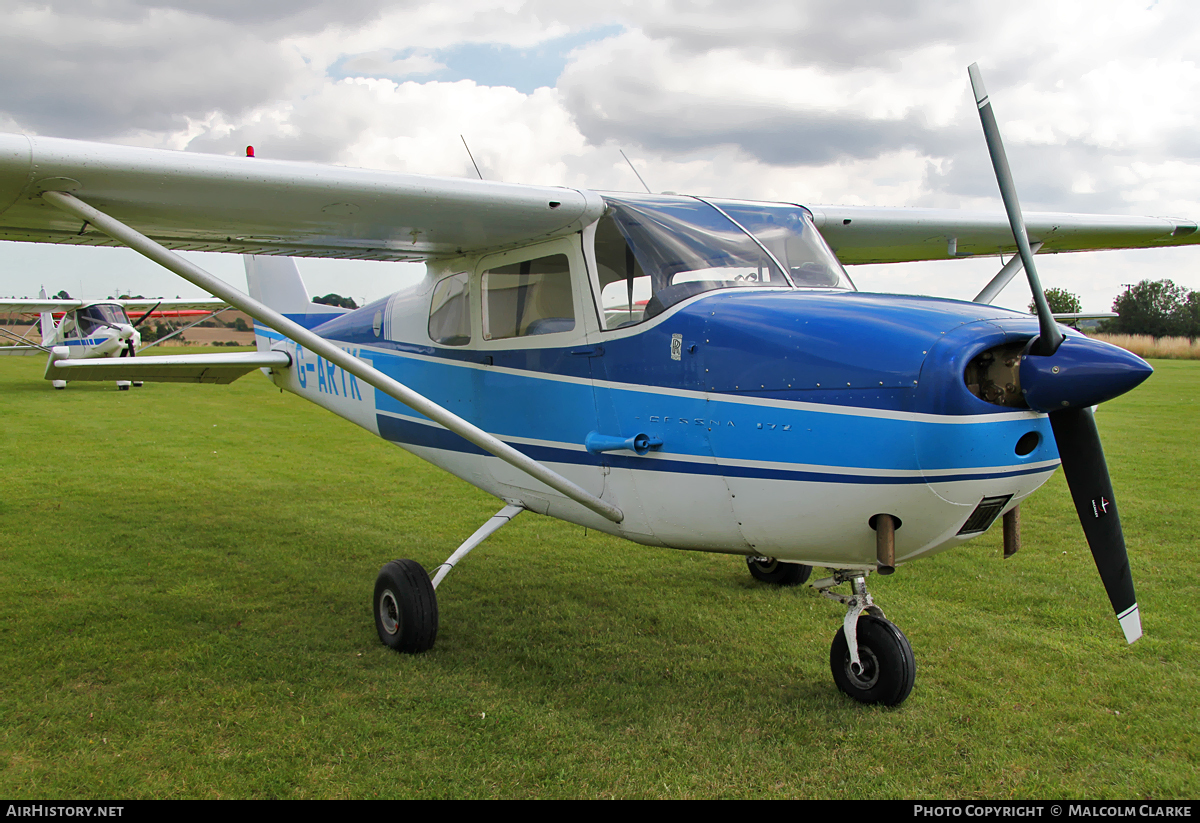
(97, 328)
(693, 373)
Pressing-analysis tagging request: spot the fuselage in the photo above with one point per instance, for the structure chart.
(791, 409)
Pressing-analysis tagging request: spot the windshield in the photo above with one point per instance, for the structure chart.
(100, 316)
(653, 252)
(789, 233)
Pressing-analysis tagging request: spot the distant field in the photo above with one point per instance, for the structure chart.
(1143, 345)
(185, 585)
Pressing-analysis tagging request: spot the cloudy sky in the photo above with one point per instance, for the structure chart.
(812, 101)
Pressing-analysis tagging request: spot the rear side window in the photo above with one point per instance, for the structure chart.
(450, 311)
(528, 298)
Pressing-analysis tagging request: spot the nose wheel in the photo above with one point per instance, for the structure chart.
(886, 670)
(871, 659)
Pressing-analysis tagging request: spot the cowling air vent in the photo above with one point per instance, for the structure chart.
(994, 376)
(985, 514)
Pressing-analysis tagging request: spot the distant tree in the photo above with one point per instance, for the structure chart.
(62, 295)
(1155, 307)
(336, 300)
(1061, 302)
(150, 333)
(1191, 312)
(240, 324)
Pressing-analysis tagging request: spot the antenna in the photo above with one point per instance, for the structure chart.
(635, 171)
(473, 163)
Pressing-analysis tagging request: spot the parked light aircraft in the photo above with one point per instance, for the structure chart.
(694, 373)
(95, 328)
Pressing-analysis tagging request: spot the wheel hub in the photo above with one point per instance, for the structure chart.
(868, 674)
(389, 612)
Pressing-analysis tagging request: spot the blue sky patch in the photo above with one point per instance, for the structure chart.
(488, 64)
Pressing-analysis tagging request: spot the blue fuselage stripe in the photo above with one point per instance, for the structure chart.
(414, 433)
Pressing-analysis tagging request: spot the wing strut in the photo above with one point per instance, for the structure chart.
(996, 285)
(319, 345)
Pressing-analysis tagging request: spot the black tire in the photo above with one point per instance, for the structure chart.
(771, 570)
(405, 606)
(889, 668)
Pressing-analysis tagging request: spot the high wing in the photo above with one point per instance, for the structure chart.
(205, 202)
(881, 235)
(201, 202)
(35, 305)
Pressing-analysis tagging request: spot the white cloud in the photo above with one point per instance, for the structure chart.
(813, 101)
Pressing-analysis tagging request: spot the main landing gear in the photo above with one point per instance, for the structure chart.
(406, 612)
(405, 604)
(871, 660)
(770, 570)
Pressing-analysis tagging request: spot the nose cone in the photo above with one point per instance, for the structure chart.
(125, 331)
(1082, 373)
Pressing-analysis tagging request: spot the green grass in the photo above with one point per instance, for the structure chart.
(185, 585)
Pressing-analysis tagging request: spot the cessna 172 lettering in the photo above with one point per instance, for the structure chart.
(694, 373)
(95, 328)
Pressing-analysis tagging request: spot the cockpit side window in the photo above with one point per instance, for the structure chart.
(624, 285)
(450, 311)
(528, 298)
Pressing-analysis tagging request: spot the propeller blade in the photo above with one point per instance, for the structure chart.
(1087, 476)
(1050, 337)
(138, 322)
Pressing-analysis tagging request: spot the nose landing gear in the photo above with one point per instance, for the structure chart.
(871, 659)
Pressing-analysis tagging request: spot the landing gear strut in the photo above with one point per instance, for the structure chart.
(871, 659)
(405, 604)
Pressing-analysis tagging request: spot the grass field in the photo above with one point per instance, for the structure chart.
(185, 585)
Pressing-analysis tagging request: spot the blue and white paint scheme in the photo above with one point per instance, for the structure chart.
(767, 449)
(685, 372)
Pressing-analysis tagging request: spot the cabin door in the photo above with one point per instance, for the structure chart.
(535, 385)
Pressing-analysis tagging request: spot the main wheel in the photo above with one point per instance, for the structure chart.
(770, 570)
(406, 612)
(888, 666)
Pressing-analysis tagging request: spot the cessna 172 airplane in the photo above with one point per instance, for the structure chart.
(694, 373)
(96, 328)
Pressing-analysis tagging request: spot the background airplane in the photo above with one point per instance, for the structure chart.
(753, 404)
(89, 329)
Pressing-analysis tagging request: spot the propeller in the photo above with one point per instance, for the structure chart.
(139, 321)
(1066, 377)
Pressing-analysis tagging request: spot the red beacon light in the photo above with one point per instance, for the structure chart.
(249, 151)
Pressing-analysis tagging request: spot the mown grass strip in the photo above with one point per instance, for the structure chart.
(186, 574)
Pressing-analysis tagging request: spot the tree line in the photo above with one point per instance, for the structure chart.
(1159, 308)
